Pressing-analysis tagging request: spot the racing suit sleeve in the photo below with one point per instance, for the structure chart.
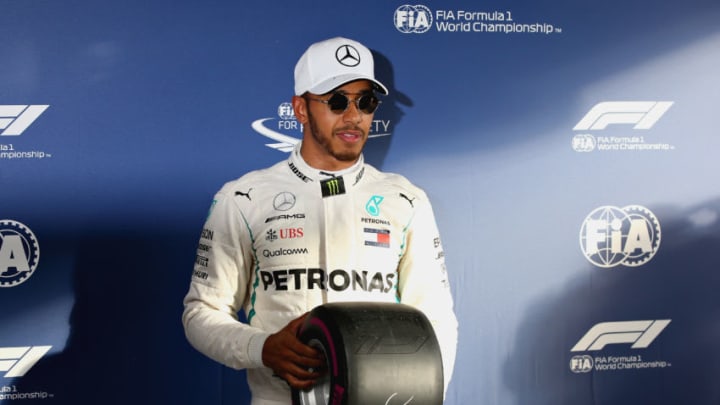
(218, 290)
(423, 282)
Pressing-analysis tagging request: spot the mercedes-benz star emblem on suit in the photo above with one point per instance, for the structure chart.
(284, 201)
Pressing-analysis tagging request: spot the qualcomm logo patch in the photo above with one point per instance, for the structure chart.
(413, 19)
(286, 131)
(19, 253)
(642, 115)
(612, 236)
(639, 334)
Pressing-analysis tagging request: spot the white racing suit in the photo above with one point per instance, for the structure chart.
(280, 241)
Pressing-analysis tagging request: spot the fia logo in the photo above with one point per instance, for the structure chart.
(584, 143)
(628, 236)
(19, 253)
(413, 19)
(581, 364)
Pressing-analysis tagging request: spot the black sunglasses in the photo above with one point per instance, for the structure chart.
(339, 102)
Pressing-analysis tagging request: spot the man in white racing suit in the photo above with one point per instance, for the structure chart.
(320, 227)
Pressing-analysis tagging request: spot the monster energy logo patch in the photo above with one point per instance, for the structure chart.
(331, 187)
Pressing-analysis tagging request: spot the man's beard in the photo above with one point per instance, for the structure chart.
(325, 142)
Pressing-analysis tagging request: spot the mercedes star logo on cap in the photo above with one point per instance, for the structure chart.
(348, 56)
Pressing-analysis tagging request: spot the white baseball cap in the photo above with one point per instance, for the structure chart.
(331, 63)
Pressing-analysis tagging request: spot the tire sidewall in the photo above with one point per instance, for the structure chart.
(319, 331)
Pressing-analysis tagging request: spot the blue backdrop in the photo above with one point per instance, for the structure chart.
(569, 148)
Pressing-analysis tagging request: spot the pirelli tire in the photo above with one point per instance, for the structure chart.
(376, 353)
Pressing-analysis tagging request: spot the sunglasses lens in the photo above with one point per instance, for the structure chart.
(338, 102)
(367, 103)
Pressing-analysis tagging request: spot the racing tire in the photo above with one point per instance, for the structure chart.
(376, 353)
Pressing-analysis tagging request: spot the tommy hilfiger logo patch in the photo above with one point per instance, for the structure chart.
(377, 237)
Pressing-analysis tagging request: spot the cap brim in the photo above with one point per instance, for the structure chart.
(337, 81)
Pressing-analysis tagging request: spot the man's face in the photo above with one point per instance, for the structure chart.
(332, 140)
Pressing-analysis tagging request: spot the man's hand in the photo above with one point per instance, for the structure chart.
(290, 359)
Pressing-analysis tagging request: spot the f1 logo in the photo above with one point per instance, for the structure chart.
(644, 114)
(15, 119)
(639, 333)
(19, 360)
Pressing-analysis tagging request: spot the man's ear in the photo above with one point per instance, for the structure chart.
(300, 108)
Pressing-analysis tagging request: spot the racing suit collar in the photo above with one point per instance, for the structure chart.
(307, 173)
